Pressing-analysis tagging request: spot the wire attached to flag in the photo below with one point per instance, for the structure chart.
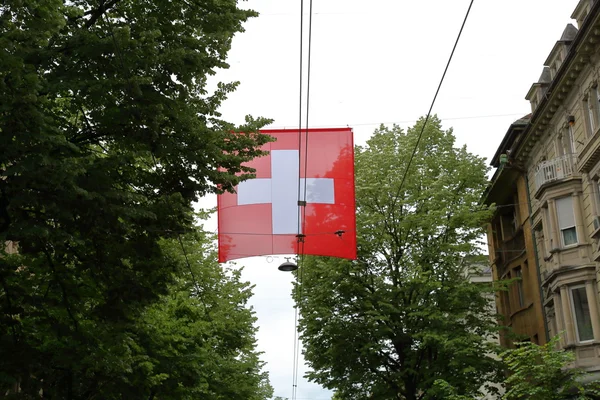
(296, 339)
(301, 197)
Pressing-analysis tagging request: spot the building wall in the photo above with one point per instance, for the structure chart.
(481, 274)
(561, 159)
(512, 256)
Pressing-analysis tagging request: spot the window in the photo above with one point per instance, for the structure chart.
(596, 197)
(552, 323)
(541, 241)
(581, 312)
(553, 70)
(549, 237)
(571, 139)
(560, 145)
(595, 95)
(507, 224)
(592, 110)
(519, 284)
(565, 143)
(506, 304)
(588, 110)
(566, 221)
(505, 300)
(497, 234)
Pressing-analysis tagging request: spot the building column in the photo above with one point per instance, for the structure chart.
(553, 219)
(567, 317)
(558, 314)
(579, 225)
(590, 291)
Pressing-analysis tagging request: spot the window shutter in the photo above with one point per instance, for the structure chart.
(564, 209)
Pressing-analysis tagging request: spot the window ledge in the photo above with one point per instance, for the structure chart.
(570, 247)
(587, 343)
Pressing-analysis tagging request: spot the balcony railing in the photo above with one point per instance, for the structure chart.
(555, 169)
(508, 250)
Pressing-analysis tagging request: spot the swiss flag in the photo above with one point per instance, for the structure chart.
(263, 216)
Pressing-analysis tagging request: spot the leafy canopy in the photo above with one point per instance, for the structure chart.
(404, 315)
(108, 136)
(198, 341)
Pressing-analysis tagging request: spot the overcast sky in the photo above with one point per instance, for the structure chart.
(381, 63)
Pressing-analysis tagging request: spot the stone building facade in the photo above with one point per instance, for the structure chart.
(512, 247)
(555, 158)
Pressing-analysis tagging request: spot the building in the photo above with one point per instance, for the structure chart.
(547, 187)
(511, 245)
(480, 273)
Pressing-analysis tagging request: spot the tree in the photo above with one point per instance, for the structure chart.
(544, 373)
(108, 137)
(198, 341)
(403, 315)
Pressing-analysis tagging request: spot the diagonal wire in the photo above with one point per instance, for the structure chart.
(433, 101)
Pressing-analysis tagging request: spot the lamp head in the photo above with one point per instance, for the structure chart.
(287, 267)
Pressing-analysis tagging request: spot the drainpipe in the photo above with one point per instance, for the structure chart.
(537, 261)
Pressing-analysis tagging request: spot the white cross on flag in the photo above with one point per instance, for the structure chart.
(263, 216)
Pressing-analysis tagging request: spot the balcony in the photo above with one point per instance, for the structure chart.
(509, 250)
(555, 170)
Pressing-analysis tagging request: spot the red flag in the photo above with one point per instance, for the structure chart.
(263, 216)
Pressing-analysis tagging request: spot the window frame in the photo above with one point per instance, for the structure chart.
(519, 284)
(540, 237)
(596, 104)
(560, 144)
(574, 314)
(588, 113)
(591, 102)
(571, 138)
(596, 196)
(561, 229)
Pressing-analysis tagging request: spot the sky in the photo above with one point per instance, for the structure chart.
(379, 62)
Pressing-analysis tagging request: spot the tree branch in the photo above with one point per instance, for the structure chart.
(99, 12)
(62, 287)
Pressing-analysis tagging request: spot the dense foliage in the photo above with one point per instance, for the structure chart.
(538, 372)
(404, 314)
(198, 341)
(108, 136)
(544, 373)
